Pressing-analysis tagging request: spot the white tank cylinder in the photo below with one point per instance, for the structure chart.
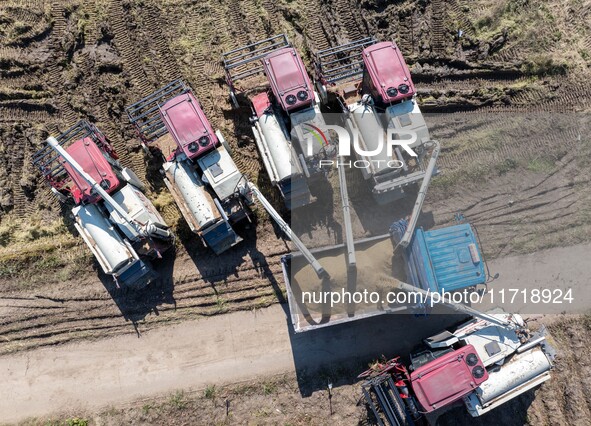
(197, 200)
(277, 147)
(522, 368)
(104, 240)
(371, 133)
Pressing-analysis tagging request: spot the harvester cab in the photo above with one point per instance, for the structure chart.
(285, 108)
(198, 169)
(484, 362)
(374, 87)
(119, 224)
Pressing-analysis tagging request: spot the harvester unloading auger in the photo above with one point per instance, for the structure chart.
(284, 109)
(210, 191)
(118, 223)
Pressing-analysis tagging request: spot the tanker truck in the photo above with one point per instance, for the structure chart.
(122, 228)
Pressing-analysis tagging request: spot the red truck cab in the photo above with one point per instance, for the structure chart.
(448, 378)
(288, 79)
(387, 74)
(92, 160)
(185, 120)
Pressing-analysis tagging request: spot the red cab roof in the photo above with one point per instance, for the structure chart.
(448, 378)
(388, 71)
(186, 122)
(89, 156)
(288, 78)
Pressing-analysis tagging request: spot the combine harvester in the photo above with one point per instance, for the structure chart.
(284, 111)
(484, 362)
(118, 223)
(373, 84)
(199, 172)
(210, 191)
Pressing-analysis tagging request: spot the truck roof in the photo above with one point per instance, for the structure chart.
(86, 153)
(388, 71)
(288, 78)
(448, 378)
(188, 125)
(445, 259)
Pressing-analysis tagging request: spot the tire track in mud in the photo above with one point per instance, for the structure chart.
(167, 68)
(236, 35)
(345, 15)
(273, 14)
(31, 105)
(313, 29)
(405, 36)
(534, 211)
(124, 44)
(570, 97)
(16, 114)
(438, 30)
(481, 152)
(106, 124)
(58, 16)
(162, 68)
(41, 320)
(460, 17)
(236, 21)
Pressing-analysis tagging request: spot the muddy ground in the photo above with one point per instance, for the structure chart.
(61, 61)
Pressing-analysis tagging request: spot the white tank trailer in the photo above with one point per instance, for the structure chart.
(284, 167)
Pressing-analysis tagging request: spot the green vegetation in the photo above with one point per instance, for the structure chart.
(178, 400)
(506, 166)
(210, 392)
(76, 422)
(269, 388)
(541, 165)
(543, 65)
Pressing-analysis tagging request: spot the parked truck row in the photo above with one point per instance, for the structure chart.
(483, 362)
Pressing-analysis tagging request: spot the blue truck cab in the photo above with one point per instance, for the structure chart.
(447, 259)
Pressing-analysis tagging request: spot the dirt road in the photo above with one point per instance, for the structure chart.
(233, 347)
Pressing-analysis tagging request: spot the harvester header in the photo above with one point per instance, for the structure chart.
(341, 63)
(246, 61)
(145, 114)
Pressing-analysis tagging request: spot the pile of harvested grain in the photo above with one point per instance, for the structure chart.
(345, 293)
